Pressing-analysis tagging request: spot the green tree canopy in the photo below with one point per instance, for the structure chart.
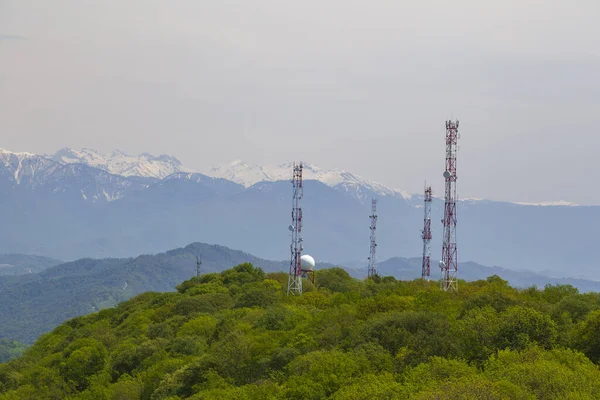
(237, 335)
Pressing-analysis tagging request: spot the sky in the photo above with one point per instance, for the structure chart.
(362, 85)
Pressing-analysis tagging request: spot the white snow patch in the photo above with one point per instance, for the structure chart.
(404, 194)
(110, 197)
(548, 203)
(17, 153)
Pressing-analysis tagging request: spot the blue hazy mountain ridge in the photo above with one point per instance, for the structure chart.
(410, 268)
(73, 211)
(20, 264)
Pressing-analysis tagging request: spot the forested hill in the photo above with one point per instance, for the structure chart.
(18, 264)
(236, 335)
(33, 304)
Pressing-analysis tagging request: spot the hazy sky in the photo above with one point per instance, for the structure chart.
(361, 85)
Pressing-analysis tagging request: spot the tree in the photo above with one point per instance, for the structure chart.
(521, 326)
(334, 279)
(586, 337)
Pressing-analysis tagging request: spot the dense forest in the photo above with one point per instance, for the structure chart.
(236, 335)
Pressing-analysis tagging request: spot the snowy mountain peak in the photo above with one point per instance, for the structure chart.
(4, 152)
(247, 175)
(237, 162)
(22, 166)
(120, 163)
(42, 174)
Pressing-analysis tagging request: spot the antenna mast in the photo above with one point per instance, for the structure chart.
(372, 272)
(198, 263)
(295, 276)
(449, 263)
(426, 235)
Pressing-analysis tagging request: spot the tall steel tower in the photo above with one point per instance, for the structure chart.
(426, 235)
(372, 256)
(198, 263)
(295, 276)
(449, 262)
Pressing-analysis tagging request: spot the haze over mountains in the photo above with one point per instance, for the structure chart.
(77, 204)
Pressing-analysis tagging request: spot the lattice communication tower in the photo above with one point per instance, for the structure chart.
(449, 262)
(426, 235)
(295, 276)
(198, 263)
(372, 270)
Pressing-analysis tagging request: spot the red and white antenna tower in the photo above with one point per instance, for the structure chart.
(295, 276)
(372, 271)
(426, 235)
(449, 262)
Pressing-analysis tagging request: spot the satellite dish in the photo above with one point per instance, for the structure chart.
(442, 264)
(291, 228)
(307, 262)
(447, 174)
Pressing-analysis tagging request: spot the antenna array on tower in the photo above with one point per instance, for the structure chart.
(372, 270)
(426, 235)
(295, 275)
(449, 262)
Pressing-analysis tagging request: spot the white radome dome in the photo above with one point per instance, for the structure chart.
(307, 262)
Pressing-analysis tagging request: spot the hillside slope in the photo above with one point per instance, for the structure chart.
(236, 335)
(19, 264)
(35, 303)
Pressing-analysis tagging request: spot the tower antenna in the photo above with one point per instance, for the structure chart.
(426, 235)
(449, 262)
(295, 275)
(198, 263)
(372, 271)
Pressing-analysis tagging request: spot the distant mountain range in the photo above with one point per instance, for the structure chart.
(249, 174)
(410, 268)
(120, 163)
(27, 174)
(149, 166)
(21, 264)
(83, 203)
(32, 304)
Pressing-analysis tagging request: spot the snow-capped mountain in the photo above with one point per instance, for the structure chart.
(92, 184)
(71, 206)
(25, 168)
(249, 174)
(41, 174)
(120, 163)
